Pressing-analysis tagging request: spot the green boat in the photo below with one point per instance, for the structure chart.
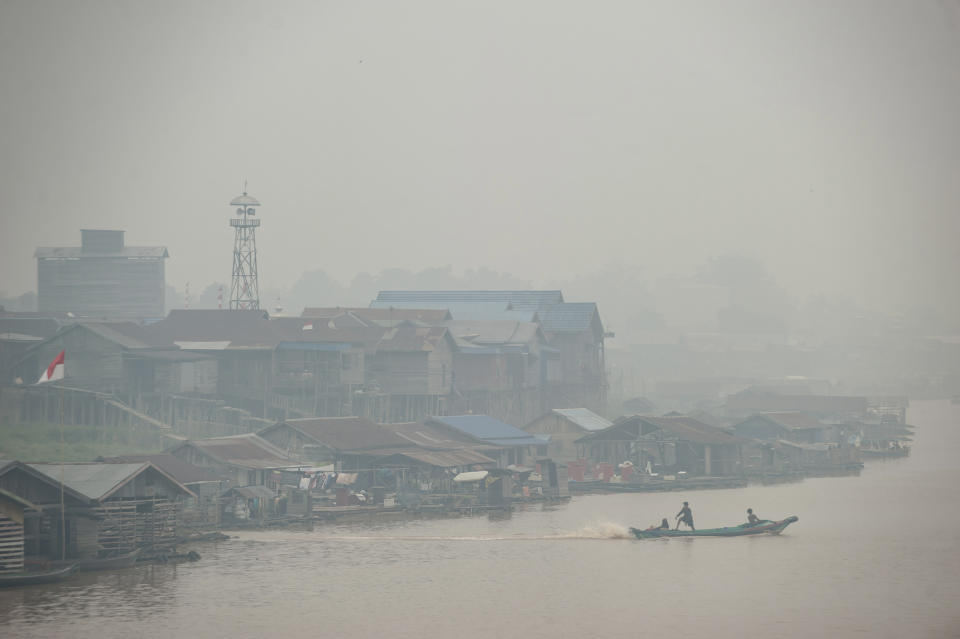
(763, 527)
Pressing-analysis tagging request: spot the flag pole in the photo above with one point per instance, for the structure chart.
(63, 514)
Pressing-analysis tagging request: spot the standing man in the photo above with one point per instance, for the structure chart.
(685, 516)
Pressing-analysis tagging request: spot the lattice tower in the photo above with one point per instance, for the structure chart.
(244, 290)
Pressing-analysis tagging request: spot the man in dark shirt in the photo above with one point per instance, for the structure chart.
(685, 516)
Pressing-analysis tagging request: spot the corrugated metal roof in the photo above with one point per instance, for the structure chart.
(495, 332)
(788, 420)
(209, 325)
(462, 310)
(33, 326)
(570, 317)
(245, 451)
(171, 356)
(301, 329)
(489, 429)
(474, 475)
(170, 464)
(682, 428)
(74, 252)
(516, 300)
(9, 465)
(431, 436)
(531, 440)
(438, 458)
(96, 480)
(689, 429)
(409, 338)
(584, 418)
(125, 334)
(344, 434)
(426, 315)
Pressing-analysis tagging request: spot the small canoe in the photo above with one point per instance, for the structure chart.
(102, 563)
(763, 527)
(9, 580)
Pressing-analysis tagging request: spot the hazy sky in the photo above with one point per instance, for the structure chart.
(543, 139)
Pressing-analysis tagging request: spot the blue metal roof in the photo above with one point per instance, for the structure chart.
(571, 317)
(489, 429)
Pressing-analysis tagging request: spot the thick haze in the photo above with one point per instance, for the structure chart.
(545, 140)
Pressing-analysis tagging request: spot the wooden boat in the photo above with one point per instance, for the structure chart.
(101, 563)
(765, 526)
(40, 577)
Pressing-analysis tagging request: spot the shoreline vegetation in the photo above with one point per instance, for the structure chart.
(40, 442)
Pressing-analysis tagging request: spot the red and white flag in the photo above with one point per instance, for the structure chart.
(54, 370)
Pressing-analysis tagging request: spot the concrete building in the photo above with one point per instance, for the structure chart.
(102, 278)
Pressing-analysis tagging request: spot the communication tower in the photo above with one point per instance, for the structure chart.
(244, 291)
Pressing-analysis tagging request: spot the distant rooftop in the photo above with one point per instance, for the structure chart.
(584, 418)
(100, 243)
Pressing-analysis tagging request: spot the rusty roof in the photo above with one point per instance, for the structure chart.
(432, 437)
(170, 464)
(344, 434)
(246, 451)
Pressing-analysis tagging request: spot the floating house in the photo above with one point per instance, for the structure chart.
(510, 445)
(240, 460)
(107, 508)
(12, 509)
(751, 401)
(565, 426)
(348, 442)
(673, 444)
(202, 508)
(797, 427)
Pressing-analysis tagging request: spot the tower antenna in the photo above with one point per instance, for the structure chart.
(244, 289)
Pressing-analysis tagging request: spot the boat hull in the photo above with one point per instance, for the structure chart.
(102, 563)
(765, 527)
(30, 578)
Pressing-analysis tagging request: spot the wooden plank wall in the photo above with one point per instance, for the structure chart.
(126, 525)
(11, 545)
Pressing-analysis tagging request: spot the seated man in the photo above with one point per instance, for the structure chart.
(752, 520)
(664, 525)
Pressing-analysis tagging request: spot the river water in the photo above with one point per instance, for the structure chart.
(873, 556)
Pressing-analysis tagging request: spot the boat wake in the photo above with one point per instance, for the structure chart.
(602, 530)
